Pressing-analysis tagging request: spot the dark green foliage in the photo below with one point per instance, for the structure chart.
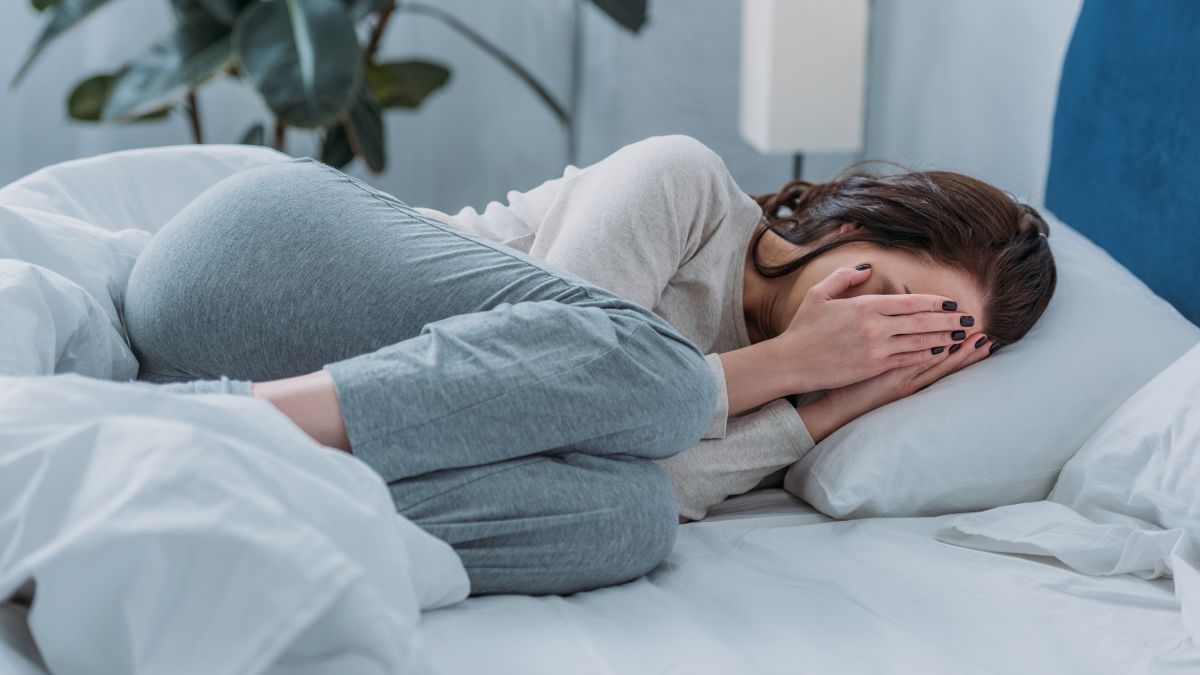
(255, 135)
(190, 54)
(629, 13)
(405, 84)
(303, 57)
(87, 100)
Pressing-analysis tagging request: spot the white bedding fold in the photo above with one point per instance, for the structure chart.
(204, 534)
(1127, 503)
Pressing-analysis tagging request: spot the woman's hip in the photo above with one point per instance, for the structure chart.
(281, 269)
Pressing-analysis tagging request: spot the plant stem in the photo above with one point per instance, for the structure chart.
(194, 116)
(507, 61)
(377, 30)
(576, 81)
(280, 131)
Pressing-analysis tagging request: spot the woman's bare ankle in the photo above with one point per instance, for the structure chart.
(311, 402)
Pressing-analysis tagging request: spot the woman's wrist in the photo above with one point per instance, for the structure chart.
(821, 418)
(756, 375)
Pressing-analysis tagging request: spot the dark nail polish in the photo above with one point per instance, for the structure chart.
(938, 350)
(949, 305)
(967, 321)
(993, 348)
(864, 266)
(958, 335)
(954, 347)
(980, 341)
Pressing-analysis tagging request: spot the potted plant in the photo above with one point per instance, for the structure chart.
(314, 63)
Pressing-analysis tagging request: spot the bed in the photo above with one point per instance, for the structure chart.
(766, 584)
(1092, 571)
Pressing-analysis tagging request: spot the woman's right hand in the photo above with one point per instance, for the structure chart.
(843, 404)
(832, 341)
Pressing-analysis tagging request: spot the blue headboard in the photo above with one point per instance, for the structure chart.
(1125, 164)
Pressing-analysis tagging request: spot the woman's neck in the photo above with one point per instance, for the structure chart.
(760, 301)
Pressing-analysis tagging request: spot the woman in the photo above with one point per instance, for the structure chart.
(662, 222)
(518, 411)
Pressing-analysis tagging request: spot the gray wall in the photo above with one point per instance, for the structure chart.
(959, 84)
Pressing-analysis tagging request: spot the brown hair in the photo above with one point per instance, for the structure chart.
(952, 219)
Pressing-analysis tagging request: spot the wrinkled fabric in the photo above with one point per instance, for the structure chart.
(766, 585)
(52, 325)
(1127, 503)
(202, 534)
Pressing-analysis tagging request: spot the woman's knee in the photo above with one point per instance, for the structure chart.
(586, 522)
(678, 385)
(628, 530)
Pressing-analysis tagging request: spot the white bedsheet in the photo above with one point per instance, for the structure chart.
(769, 586)
(201, 534)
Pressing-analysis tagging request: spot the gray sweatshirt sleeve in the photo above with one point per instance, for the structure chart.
(756, 444)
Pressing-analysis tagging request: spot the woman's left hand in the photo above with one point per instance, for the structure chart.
(840, 406)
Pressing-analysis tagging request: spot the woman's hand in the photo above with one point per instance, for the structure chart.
(843, 404)
(832, 342)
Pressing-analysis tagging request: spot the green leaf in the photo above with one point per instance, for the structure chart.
(302, 56)
(405, 84)
(336, 150)
(63, 15)
(190, 10)
(197, 49)
(365, 131)
(42, 5)
(631, 14)
(88, 98)
(226, 11)
(255, 135)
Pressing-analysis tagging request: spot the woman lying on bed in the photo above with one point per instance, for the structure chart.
(527, 403)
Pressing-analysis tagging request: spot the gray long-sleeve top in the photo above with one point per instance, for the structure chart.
(662, 223)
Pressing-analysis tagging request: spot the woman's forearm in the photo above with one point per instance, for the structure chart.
(821, 418)
(753, 376)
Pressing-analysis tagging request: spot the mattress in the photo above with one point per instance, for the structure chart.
(768, 585)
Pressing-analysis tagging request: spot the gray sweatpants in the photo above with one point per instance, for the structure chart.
(513, 409)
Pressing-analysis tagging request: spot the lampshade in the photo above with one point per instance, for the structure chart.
(803, 74)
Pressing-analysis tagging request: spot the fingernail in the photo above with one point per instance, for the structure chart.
(938, 350)
(954, 347)
(949, 305)
(864, 266)
(967, 321)
(980, 341)
(958, 335)
(993, 348)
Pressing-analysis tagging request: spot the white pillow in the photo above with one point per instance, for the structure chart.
(52, 325)
(1140, 468)
(999, 432)
(1128, 502)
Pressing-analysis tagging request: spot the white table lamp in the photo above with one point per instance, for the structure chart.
(803, 75)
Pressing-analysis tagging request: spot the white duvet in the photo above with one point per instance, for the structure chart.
(163, 533)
